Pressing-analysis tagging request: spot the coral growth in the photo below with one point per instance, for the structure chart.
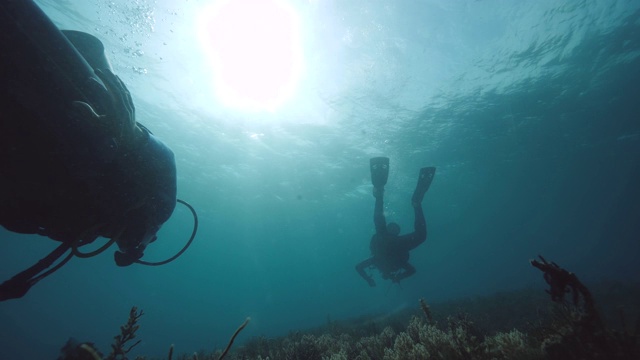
(458, 340)
(73, 350)
(577, 331)
(520, 325)
(569, 330)
(119, 348)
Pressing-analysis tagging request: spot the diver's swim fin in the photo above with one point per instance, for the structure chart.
(424, 181)
(379, 171)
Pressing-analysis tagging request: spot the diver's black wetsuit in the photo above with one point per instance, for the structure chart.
(49, 190)
(74, 164)
(390, 253)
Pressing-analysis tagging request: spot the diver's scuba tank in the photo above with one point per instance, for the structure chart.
(40, 66)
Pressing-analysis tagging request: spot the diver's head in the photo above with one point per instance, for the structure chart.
(393, 229)
(133, 240)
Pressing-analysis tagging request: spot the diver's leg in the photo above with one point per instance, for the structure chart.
(378, 211)
(413, 240)
(379, 167)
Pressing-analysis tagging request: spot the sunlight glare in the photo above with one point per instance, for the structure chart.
(254, 50)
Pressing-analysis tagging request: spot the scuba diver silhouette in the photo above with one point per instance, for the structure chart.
(389, 250)
(74, 163)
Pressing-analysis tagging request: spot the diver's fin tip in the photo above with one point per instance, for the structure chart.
(425, 177)
(379, 167)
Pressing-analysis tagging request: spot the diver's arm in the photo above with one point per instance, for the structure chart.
(158, 162)
(360, 269)
(151, 163)
(146, 189)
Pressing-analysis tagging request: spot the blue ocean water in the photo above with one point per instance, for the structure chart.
(528, 109)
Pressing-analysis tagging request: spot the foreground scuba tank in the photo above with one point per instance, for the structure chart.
(28, 35)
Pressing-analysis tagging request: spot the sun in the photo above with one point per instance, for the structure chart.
(254, 50)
